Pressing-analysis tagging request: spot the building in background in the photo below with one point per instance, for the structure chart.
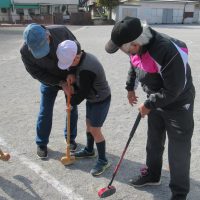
(5, 10)
(82, 11)
(46, 11)
(159, 11)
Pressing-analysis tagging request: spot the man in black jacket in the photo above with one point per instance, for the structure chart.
(160, 63)
(38, 54)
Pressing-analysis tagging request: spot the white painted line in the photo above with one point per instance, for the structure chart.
(65, 191)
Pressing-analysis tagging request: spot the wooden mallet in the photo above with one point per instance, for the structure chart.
(4, 156)
(68, 159)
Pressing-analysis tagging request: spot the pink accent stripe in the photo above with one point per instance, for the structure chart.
(146, 63)
(185, 50)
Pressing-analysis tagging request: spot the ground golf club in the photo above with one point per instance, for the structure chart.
(109, 190)
(68, 159)
(4, 156)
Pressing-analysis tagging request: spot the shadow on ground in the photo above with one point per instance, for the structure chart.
(128, 169)
(19, 193)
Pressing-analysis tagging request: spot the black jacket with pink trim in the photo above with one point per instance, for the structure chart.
(163, 70)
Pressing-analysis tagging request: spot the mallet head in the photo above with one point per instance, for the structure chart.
(107, 191)
(67, 160)
(5, 157)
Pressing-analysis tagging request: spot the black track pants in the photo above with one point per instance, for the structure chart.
(179, 125)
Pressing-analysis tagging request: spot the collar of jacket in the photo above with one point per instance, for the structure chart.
(52, 53)
(146, 47)
(82, 57)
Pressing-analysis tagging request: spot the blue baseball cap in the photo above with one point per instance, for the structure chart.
(35, 36)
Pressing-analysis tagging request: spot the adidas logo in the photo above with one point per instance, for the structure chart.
(186, 106)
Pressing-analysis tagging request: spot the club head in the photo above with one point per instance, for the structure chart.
(107, 191)
(5, 157)
(67, 160)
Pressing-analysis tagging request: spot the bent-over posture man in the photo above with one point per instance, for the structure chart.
(39, 57)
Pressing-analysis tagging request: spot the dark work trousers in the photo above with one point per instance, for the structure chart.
(44, 121)
(179, 125)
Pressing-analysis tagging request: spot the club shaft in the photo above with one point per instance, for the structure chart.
(1, 153)
(126, 147)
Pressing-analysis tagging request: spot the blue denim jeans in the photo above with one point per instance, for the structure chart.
(44, 121)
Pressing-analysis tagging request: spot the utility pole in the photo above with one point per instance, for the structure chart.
(184, 12)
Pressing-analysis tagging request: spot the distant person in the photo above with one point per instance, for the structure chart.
(91, 84)
(39, 57)
(160, 63)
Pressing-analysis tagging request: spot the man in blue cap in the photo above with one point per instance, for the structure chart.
(38, 54)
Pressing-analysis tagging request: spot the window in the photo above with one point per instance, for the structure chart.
(188, 14)
(44, 9)
(31, 11)
(3, 10)
(57, 9)
(20, 11)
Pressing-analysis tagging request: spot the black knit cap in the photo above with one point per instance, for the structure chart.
(124, 31)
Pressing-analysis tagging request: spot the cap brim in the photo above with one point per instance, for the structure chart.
(111, 47)
(41, 52)
(63, 66)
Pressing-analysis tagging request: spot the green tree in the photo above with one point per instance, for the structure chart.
(108, 4)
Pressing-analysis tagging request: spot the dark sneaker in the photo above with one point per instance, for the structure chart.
(144, 179)
(183, 197)
(73, 146)
(83, 153)
(100, 167)
(42, 151)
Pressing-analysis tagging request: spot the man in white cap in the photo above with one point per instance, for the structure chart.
(160, 63)
(39, 57)
(91, 85)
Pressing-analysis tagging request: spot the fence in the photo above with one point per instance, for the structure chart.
(56, 18)
(79, 18)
